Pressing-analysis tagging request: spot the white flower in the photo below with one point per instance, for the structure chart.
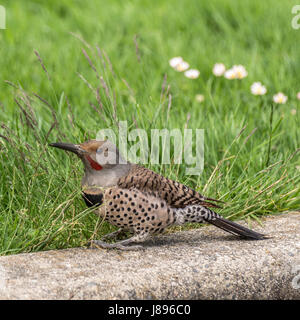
(179, 64)
(236, 72)
(298, 95)
(182, 66)
(199, 97)
(293, 112)
(258, 89)
(240, 71)
(280, 98)
(175, 61)
(219, 69)
(192, 73)
(229, 74)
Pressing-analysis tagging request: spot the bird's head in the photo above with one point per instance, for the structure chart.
(96, 155)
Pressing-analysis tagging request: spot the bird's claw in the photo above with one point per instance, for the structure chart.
(113, 235)
(104, 245)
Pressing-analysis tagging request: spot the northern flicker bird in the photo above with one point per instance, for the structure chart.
(138, 200)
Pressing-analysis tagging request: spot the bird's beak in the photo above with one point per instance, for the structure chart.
(75, 148)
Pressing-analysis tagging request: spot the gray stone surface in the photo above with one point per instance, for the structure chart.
(205, 263)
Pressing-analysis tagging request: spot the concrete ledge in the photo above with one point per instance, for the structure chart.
(199, 264)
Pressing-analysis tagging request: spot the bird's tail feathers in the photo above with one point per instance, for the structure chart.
(236, 229)
(199, 213)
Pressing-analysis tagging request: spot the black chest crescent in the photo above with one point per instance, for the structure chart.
(93, 199)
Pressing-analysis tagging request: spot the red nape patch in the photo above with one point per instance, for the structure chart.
(94, 164)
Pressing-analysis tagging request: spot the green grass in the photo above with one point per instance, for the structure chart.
(255, 172)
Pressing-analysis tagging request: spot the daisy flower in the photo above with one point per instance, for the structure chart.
(199, 97)
(240, 71)
(280, 98)
(178, 64)
(236, 72)
(175, 61)
(258, 89)
(192, 73)
(229, 74)
(219, 69)
(293, 112)
(182, 66)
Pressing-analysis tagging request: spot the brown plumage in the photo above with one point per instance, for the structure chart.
(176, 194)
(139, 200)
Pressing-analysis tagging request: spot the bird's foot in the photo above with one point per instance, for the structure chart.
(114, 235)
(117, 245)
